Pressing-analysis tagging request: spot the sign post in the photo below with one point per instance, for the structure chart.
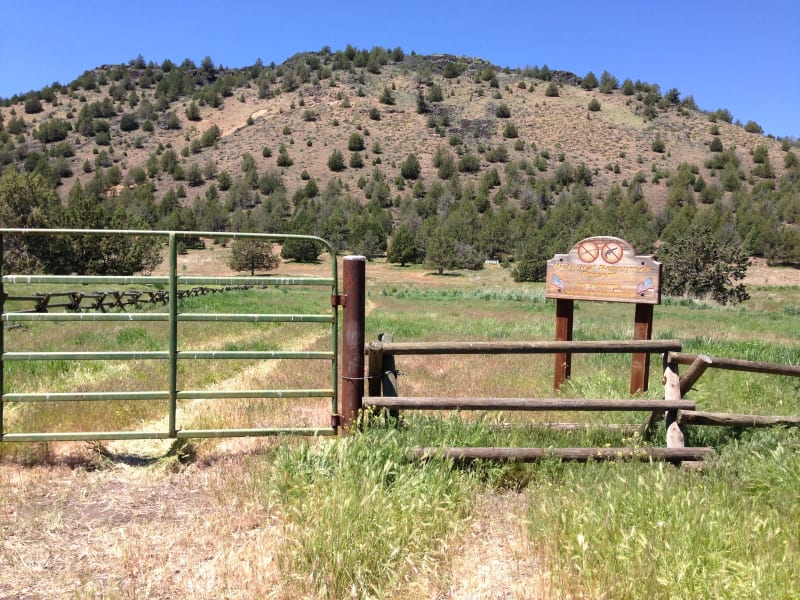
(607, 269)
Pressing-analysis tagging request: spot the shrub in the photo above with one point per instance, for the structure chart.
(374, 114)
(33, 105)
(445, 163)
(502, 111)
(336, 161)
(700, 265)
(283, 157)
(356, 142)
(716, 145)
(53, 130)
(753, 127)
(469, 163)
(497, 154)
(552, 91)
(760, 154)
(356, 160)
(510, 131)
(386, 97)
(452, 70)
(658, 145)
(192, 111)
(410, 168)
(435, 93)
(128, 122)
(589, 82)
(594, 105)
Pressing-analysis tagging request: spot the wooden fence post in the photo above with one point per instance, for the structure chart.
(640, 363)
(672, 391)
(563, 360)
(352, 356)
(381, 373)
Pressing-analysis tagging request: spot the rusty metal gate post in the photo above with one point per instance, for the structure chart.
(352, 363)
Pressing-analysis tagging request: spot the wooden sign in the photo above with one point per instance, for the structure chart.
(604, 268)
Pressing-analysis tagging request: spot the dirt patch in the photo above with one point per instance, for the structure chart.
(496, 560)
(134, 532)
(759, 273)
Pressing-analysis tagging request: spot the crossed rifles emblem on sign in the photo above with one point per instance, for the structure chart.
(610, 252)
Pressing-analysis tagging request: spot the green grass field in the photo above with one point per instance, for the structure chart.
(619, 530)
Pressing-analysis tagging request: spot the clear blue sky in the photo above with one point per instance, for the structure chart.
(734, 54)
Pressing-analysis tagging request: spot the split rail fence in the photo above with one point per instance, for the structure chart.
(381, 392)
(74, 301)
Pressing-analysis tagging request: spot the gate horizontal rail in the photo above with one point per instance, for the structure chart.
(211, 317)
(172, 354)
(161, 355)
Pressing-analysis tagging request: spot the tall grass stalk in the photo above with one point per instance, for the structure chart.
(653, 531)
(360, 520)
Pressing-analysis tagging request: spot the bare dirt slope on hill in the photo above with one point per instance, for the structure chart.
(318, 116)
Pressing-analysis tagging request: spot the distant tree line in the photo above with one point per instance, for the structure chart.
(484, 202)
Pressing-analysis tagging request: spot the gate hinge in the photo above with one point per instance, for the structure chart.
(339, 300)
(335, 421)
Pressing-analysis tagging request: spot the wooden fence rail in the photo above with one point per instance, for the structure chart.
(44, 302)
(733, 364)
(699, 363)
(382, 395)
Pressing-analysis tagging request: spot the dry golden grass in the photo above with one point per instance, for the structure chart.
(133, 532)
(498, 543)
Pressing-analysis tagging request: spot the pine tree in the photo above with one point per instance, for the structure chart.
(700, 265)
(403, 247)
(251, 254)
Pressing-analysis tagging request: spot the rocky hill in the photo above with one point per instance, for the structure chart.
(521, 138)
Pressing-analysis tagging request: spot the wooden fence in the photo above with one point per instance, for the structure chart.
(381, 394)
(43, 302)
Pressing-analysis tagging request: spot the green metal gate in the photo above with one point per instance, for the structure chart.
(173, 353)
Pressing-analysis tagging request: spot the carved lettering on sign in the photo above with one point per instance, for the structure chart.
(604, 268)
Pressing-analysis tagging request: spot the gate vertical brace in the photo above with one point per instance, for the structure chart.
(640, 362)
(564, 318)
(173, 335)
(353, 336)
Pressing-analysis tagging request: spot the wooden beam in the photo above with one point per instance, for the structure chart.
(532, 404)
(690, 417)
(672, 394)
(696, 369)
(733, 364)
(541, 347)
(374, 363)
(565, 310)
(566, 454)
(552, 426)
(640, 361)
